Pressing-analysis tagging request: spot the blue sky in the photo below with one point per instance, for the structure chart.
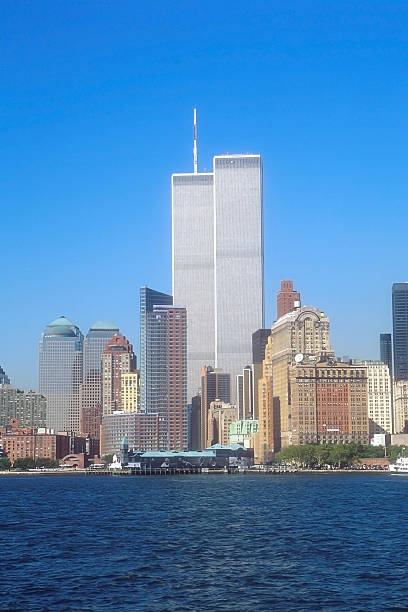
(96, 113)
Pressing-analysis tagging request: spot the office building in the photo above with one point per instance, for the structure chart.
(4, 379)
(268, 441)
(259, 342)
(386, 351)
(217, 262)
(22, 442)
(215, 385)
(140, 429)
(118, 358)
(220, 417)
(400, 329)
(148, 299)
(60, 374)
(165, 380)
(288, 299)
(30, 409)
(245, 394)
(304, 331)
(130, 391)
(379, 398)
(401, 406)
(328, 402)
(91, 388)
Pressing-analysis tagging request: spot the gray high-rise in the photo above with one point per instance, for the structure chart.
(217, 262)
(91, 389)
(400, 329)
(386, 350)
(60, 370)
(148, 299)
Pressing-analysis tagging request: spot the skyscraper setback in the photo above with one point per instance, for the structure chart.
(217, 262)
(287, 298)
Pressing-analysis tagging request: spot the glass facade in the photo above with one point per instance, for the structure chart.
(91, 389)
(60, 373)
(400, 329)
(148, 299)
(4, 379)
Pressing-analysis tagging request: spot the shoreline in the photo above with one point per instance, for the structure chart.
(147, 473)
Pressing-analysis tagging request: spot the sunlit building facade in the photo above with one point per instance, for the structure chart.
(60, 374)
(217, 261)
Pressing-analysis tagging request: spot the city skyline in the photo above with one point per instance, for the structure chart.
(97, 117)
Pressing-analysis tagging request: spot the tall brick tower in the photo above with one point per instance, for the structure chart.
(287, 297)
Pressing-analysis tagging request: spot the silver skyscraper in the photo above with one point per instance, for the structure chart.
(217, 262)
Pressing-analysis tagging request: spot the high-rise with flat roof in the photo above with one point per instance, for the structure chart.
(60, 373)
(400, 329)
(29, 408)
(217, 262)
(148, 299)
(386, 351)
(166, 374)
(91, 388)
(215, 385)
(4, 379)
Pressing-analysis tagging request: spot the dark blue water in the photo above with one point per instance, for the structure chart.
(210, 542)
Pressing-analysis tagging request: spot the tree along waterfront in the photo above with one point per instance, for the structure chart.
(314, 456)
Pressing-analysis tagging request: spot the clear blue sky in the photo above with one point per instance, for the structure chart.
(96, 112)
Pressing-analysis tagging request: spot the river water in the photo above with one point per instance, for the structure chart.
(205, 542)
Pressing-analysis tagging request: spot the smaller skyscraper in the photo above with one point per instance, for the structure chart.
(220, 417)
(245, 394)
(401, 406)
(287, 299)
(118, 358)
(4, 379)
(130, 391)
(215, 385)
(379, 397)
(61, 374)
(148, 299)
(400, 329)
(165, 378)
(91, 388)
(30, 409)
(386, 351)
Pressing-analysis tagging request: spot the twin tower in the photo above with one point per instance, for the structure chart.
(217, 262)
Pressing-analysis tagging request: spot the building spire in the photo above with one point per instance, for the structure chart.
(195, 157)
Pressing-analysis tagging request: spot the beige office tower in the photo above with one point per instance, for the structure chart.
(130, 384)
(267, 441)
(220, 417)
(379, 397)
(303, 332)
(401, 406)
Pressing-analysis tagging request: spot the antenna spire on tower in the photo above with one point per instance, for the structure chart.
(195, 157)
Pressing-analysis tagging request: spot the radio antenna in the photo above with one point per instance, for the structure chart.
(195, 157)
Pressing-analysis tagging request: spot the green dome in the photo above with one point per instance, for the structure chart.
(61, 321)
(104, 325)
(61, 327)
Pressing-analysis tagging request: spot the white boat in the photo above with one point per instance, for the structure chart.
(400, 466)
